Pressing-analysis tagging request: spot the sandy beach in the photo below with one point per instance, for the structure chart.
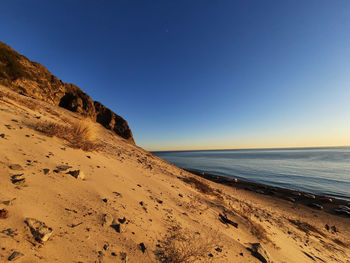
(120, 203)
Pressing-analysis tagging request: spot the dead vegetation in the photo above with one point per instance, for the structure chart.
(23, 101)
(200, 185)
(306, 227)
(183, 246)
(79, 134)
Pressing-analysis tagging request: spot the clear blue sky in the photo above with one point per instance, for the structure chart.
(190, 74)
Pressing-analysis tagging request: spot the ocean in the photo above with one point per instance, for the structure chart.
(324, 171)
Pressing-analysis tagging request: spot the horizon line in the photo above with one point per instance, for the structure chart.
(264, 148)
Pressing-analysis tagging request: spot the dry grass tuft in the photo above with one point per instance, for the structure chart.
(79, 134)
(182, 246)
(306, 227)
(24, 101)
(201, 186)
(259, 232)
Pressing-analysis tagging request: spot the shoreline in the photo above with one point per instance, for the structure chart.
(334, 206)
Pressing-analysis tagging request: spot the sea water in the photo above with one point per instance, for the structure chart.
(324, 171)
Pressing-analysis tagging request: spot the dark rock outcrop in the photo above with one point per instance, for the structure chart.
(34, 80)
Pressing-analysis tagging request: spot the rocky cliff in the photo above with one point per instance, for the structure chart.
(32, 79)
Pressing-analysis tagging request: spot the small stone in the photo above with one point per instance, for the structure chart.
(218, 249)
(181, 195)
(290, 199)
(311, 196)
(16, 167)
(210, 255)
(116, 227)
(4, 213)
(122, 220)
(39, 230)
(105, 246)
(62, 168)
(2, 135)
(15, 255)
(18, 179)
(46, 171)
(142, 247)
(105, 200)
(77, 174)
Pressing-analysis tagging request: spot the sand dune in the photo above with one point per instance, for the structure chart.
(120, 203)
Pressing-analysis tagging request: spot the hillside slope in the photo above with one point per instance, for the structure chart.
(131, 206)
(32, 79)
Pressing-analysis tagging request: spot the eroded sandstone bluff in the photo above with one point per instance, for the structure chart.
(33, 79)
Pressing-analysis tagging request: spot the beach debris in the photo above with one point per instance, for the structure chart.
(15, 255)
(4, 213)
(142, 247)
(16, 167)
(77, 174)
(18, 179)
(39, 230)
(315, 205)
(223, 219)
(259, 252)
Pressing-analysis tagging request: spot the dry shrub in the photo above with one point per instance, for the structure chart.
(24, 101)
(201, 186)
(184, 246)
(306, 227)
(259, 231)
(79, 134)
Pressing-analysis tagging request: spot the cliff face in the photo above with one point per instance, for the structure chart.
(34, 80)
